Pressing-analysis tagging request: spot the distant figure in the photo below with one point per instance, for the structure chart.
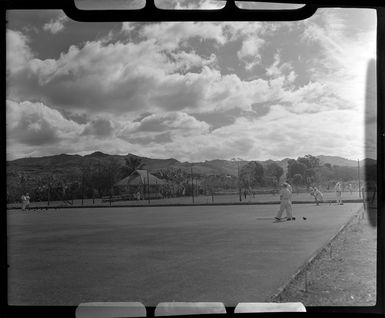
(24, 201)
(138, 195)
(350, 187)
(28, 200)
(285, 197)
(318, 196)
(363, 192)
(338, 190)
(290, 188)
(245, 193)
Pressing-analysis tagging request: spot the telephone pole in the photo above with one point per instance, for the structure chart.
(192, 184)
(359, 182)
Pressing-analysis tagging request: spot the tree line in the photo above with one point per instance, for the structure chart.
(97, 179)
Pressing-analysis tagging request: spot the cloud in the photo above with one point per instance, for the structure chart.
(100, 127)
(158, 139)
(56, 25)
(249, 52)
(18, 52)
(162, 127)
(278, 69)
(127, 27)
(161, 90)
(343, 54)
(171, 35)
(35, 124)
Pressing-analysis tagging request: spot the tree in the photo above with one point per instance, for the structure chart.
(132, 163)
(274, 170)
(309, 161)
(252, 174)
(297, 179)
(294, 167)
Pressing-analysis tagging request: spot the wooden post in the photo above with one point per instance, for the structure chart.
(148, 187)
(192, 185)
(359, 182)
(82, 187)
(239, 183)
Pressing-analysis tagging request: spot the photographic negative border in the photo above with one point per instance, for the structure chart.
(229, 13)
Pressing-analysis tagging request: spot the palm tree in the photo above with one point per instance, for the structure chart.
(132, 163)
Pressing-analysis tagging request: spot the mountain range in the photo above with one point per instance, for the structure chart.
(72, 164)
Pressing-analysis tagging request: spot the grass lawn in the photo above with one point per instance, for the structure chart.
(153, 254)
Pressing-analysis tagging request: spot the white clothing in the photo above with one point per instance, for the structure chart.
(338, 193)
(285, 196)
(318, 195)
(24, 202)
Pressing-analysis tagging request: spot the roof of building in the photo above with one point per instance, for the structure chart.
(139, 177)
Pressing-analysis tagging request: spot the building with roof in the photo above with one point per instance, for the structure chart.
(142, 182)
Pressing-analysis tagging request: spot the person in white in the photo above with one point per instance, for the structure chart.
(23, 202)
(318, 196)
(350, 187)
(338, 190)
(289, 187)
(27, 197)
(285, 196)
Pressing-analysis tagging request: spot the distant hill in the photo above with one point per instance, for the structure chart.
(337, 161)
(72, 164)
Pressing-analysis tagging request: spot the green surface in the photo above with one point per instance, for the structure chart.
(202, 199)
(205, 253)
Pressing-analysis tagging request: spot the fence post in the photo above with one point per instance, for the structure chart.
(48, 193)
(148, 187)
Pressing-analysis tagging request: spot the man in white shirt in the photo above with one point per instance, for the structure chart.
(27, 197)
(285, 196)
(290, 188)
(23, 202)
(338, 190)
(318, 196)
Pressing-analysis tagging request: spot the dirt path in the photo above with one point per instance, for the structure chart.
(343, 275)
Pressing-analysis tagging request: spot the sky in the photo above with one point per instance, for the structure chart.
(192, 91)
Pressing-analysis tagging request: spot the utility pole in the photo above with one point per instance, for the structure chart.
(82, 186)
(239, 179)
(192, 185)
(239, 184)
(148, 187)
(359, 181)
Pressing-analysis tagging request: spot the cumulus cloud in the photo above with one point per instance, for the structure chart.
(31, 125)
(127, 27)
(343, 54)
(249, 51)
(100, 127)
(169, 35)
(163, 128)
(160, 90)
(18, 52)
(56, 25)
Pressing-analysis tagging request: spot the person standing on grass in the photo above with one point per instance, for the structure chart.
(289, 187)
(338, 190)
(286, 204)
(318, 196)
(350, 187)
(27, 197)
(23, 201)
